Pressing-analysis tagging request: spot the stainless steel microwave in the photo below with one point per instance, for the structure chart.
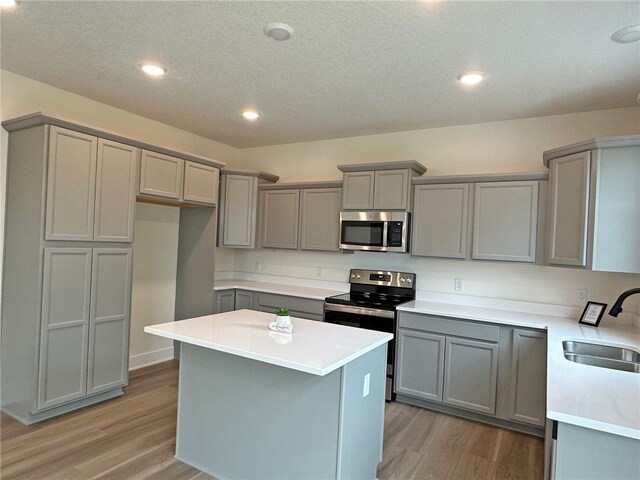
(375, 231)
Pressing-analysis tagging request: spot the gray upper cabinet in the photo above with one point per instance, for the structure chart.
(161, 175)
(239, 206)
(109, 319)
(379, 186)
(200, 183)
(280, 213)
(116, 176)
(65, 326)
(320, 219)
(505, 221)
(70, 185)
(470, 374)
(420, 364)
(528, 377)
(391, 190)
(90, 188)
(358, 190)
(440, 220)
(568, 209)
(591, 190)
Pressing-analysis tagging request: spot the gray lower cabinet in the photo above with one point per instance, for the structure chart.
(420, 364)
(225, 301)
(528, 377)
(85, 323)
(470, 374)
(308, 308)
(244, 300)
(320, 219)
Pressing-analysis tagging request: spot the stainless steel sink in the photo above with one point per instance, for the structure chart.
(605, 356)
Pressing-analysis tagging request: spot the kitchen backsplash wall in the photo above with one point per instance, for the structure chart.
(508, 281)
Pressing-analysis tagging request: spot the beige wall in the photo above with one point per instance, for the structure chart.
(156, 228)
(512, 146)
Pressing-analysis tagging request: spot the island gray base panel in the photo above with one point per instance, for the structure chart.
(241, 418)
(478, 417)
(585, 454)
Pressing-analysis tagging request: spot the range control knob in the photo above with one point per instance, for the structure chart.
(402, 279)
(358, 276)
(409, 280)
(353, 275)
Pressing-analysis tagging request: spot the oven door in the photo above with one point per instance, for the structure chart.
(370, 319)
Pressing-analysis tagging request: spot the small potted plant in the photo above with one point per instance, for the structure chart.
(282, 316)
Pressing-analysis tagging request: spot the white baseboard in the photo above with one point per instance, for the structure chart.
(150, 358)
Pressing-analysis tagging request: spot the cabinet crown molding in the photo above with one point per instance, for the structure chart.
(483, 177)
(39, 118)
(591, 144)
(269, 177)
(363, 167)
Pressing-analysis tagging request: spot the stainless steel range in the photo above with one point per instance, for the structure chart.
(371, 304)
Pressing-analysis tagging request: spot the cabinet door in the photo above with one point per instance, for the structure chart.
(470, 374)
(109, 321)
(65, 324)
(568, 209)
(161, 175)
(71, 182)
(528, 377)
(116, 175)
(279, 219)
(391, 191)
(420, 364)
(200, 183)
(440, 220)
(320, 219)
(239, 211)
(225, 301)
(244, 300)
(357, 190)
(505, 223)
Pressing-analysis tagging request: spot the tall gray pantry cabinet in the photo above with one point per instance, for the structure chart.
(67, 270)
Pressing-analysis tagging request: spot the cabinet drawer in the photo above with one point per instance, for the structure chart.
(299, 307)
(448, 326)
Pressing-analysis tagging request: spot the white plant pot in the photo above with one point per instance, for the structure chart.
(284, 319)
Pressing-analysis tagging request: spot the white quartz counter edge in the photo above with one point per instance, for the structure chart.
(582, 395)
(277, 288)
(189, 331)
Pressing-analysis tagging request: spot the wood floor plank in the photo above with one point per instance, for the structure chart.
(133, 437)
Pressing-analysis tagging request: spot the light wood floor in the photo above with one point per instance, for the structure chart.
(133, 437)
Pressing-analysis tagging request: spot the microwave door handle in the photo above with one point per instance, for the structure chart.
(385, 234)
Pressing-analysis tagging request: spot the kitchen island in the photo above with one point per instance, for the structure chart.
(254, 403)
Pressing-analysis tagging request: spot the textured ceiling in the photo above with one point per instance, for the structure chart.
(352, 68)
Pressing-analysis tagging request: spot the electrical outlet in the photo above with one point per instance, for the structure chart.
(319, 272)
(258, 266)
(458, 285)
(365, 386)
(582, 294)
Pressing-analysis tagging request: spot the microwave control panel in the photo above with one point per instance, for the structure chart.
(395, 234)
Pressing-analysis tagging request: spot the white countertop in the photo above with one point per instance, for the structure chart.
(313, 347)
(278, 288)
(583, 395)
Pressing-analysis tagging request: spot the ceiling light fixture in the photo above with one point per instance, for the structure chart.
(7, 3)
(627, 35)
(250, 114)
(279, 31)
(471, 78)
(153, 70)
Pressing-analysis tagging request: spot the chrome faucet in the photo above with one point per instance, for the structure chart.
(617, 307)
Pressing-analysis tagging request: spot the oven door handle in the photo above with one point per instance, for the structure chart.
(371, 312)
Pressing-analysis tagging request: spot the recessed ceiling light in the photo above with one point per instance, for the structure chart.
(627, 35)
(471, 78)
(279, 31)
(153, 70)
(7, 3)
(250, 114)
